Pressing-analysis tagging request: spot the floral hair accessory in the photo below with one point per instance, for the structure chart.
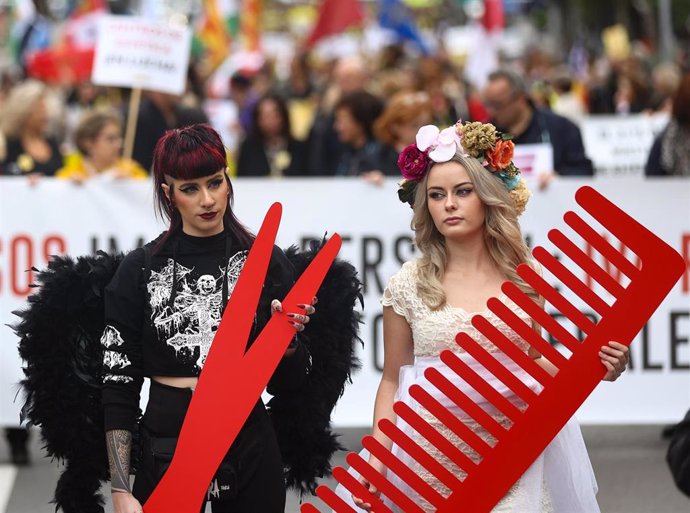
(483, 141)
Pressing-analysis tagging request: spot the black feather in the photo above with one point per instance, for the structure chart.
(59, 342)
(302, 419)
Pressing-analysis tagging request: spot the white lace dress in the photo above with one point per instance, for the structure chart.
(561, 480)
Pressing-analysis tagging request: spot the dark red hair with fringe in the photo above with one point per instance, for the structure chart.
(189, 153)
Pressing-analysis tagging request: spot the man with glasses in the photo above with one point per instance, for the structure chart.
(507, 102)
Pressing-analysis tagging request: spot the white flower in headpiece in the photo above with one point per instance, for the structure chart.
(443, 144)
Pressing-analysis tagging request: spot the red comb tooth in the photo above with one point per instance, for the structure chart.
(433, 436)
(464, 403)
(495, 367)
(452, 422)
(570, 280)
(310, 508)
(526, 332)
(357, 489)
(556, 299)
(418, 454)
(509, 348)
(477, 382)
(331, 499)
(402, 471)
(588, 265)
(540, 316)
(601, 244)
(382, 484)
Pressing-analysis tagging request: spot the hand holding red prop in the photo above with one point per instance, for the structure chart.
(232, 380)
(517, 446)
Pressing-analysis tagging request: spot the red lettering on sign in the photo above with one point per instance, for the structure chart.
(21, 275)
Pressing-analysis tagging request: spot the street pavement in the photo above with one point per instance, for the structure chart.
(628, 462)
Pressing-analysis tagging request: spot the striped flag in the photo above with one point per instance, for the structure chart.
(250, 25)
(214, 33)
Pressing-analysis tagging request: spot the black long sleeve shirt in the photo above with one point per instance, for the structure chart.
(149, 333)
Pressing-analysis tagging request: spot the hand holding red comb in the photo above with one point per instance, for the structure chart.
(476, 421)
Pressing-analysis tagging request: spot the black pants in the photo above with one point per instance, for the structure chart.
(250, 478)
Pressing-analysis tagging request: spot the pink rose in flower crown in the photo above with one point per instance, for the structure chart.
(413, 163)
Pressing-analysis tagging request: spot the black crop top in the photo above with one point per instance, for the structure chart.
(151, 332)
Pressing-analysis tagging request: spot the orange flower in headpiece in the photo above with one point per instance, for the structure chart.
(500, 156)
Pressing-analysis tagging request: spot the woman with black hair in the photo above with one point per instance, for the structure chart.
(162, 310)
(270, 149)
(364, 156)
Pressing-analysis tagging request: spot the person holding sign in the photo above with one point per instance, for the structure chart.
(510, 110)
(162, 309)
(466, 195)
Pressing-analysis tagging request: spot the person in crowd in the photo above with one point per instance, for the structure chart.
(439, 79)
(566, 102)
(80, 100)
(670, 152)
(299, 92)
(364, 156)
(466, 195)
(98, 138)
(349, 75)
(29, 149)
(165, 331)
(270, 149)
(665, 80)
(405, 113)
(243, 95)
(159, 112)
(511, 110)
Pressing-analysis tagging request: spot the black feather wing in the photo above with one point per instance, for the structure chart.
(59, 341)
(302, 419)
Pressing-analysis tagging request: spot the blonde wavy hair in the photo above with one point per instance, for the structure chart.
(19, 105)
(502, 235)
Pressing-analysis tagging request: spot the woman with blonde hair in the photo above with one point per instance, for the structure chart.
(98, 138)
(466, 196)
(24, 123)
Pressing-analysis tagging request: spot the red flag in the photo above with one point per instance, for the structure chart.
(493, 18)
(334, 17)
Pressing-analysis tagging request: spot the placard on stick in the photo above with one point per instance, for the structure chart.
(141, 54)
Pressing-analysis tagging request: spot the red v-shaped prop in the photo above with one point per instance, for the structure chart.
(232, 381)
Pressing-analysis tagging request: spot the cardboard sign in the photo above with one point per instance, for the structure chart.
(138, 53)
(619, 145)
(533, 159)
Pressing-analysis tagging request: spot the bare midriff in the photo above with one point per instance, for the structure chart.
(172, 381)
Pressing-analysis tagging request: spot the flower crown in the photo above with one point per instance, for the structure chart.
(492, 148)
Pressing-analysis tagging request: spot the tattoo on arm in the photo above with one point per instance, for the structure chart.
(119, 443)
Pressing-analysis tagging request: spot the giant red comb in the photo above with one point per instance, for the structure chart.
(533, 428)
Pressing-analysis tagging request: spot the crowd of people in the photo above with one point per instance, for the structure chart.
(347, 117)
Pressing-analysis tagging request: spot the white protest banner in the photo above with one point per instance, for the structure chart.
(533, 159)
(619, 145)
(140, 53)
(375, 226)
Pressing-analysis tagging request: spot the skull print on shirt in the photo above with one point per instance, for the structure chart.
(189, 325)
